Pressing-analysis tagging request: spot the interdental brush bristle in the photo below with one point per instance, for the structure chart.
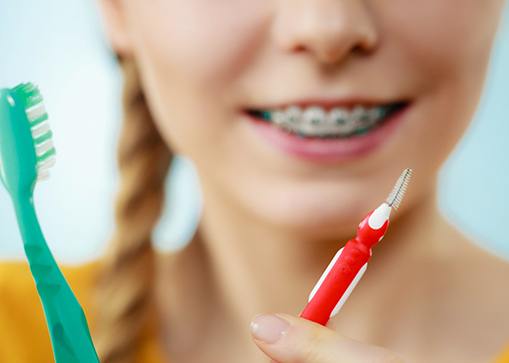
(398, 192)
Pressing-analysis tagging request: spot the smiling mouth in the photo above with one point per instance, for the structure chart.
(334, 123)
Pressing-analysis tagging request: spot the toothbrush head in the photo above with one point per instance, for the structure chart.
(26, 146)
(398, 192)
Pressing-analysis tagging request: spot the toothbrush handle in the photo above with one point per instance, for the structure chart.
(66, 321)
(337, 282)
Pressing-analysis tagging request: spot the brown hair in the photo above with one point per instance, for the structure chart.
(125, 285)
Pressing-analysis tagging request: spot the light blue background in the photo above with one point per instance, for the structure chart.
(59, 45)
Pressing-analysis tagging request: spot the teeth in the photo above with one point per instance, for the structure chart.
(314, 116)
(315, 121)
(360, 115)
(376, 113)
(340, 120)
(293, 115)
(279, 118)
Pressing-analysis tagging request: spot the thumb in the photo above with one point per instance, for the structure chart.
(288, 339)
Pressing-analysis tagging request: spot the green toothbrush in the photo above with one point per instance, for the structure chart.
(26, 154)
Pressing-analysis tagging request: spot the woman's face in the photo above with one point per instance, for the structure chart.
(204, 63)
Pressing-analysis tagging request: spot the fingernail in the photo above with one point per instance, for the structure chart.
(268, 328)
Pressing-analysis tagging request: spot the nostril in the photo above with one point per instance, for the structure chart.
(299, 48)
(363, 49)
(359, 49)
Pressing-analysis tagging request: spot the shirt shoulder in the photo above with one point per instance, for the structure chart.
(504, 358)
(24, 337)
(23, 333)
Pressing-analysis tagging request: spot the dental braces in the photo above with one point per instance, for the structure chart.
(315, 121)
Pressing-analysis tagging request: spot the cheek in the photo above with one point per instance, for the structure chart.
(450, 40)
(190, 57)
(445, 46)
(204, 44)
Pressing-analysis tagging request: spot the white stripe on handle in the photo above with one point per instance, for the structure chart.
(325, 273)
(348, 291)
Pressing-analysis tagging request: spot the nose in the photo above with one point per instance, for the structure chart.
(329, 29)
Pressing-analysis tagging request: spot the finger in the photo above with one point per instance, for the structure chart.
(288, 339)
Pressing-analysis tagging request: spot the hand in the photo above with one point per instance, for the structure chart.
(288, 339)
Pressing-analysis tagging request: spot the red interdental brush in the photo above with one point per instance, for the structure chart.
(350, 262)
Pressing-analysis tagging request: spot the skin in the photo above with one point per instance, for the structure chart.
(271, 221)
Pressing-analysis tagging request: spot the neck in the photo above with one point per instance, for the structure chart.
(249, 268)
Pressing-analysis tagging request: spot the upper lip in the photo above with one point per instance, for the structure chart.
(329, 103)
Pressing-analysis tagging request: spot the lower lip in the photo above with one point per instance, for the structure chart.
(327, 150)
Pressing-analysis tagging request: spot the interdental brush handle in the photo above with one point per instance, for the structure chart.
(346, 268)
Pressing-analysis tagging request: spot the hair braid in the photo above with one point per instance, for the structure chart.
(125, 286)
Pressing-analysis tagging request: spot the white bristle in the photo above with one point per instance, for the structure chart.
(40, 129)
(34, 112)
(42, 174)
(44, 166)
(44, 147)
(398, 192)
(46, 163)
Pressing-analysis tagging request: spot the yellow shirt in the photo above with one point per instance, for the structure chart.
(24, 337)
(23, 334)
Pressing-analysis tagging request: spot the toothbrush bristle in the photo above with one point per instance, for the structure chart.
(39, 127)
(31, 94)
(37, 114)
(398, 192)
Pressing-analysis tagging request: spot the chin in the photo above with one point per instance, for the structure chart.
(319, 214)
